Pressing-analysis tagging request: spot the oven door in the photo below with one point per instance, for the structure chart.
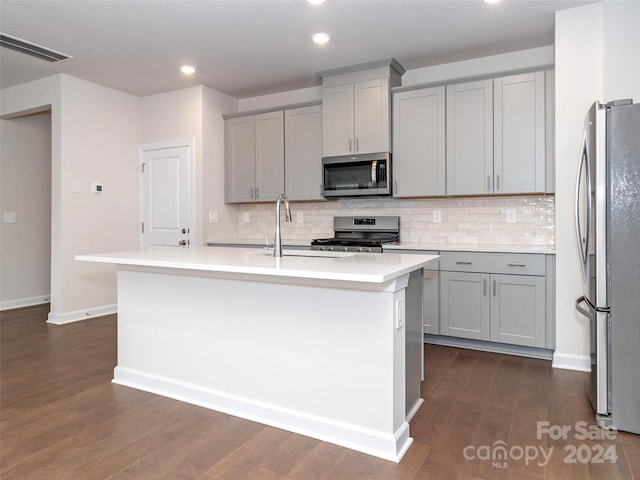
(356, 175)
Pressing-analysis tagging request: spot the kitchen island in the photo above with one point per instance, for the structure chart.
(325, 344)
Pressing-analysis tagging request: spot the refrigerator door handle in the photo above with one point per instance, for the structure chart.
(584, 164)
(582, 310)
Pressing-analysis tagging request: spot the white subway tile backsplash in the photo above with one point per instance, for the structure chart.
(477, 221)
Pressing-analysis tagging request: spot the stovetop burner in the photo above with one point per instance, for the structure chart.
(360, 234)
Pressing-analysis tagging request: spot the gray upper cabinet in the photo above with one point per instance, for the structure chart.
(497, 136)
(419, 142)
(303, 153)
(519, 133)
(240, 159)
(254, 157)
(470, 138)
(355, 118)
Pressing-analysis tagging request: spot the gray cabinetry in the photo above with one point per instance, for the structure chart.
(419, 142)
(495, 297)
(254, 157)
(497, 135)
(303, 153)
(470, 138)
(519, 133)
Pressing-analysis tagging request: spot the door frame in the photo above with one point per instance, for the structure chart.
(183, 142)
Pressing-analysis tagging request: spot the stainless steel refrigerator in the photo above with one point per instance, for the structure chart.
(608, 234)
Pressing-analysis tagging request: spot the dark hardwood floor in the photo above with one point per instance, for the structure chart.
(62, 418)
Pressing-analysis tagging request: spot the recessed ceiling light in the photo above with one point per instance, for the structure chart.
(315, 2)
(320, 38)
(187, 69)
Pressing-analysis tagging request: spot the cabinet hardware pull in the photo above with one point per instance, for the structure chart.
(497, 183)
(257, 193)
(350, 145)
(252, 193)
(488, 183)
(463, 263)
(517, 264)
(357, 145)
(395, 186)
(494, 288)
(484, 287)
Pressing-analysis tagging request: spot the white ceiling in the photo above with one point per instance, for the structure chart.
(246, 48)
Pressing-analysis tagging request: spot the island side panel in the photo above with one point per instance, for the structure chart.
(329, 354)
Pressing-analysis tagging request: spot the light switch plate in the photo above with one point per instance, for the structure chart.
(299, 217)
(437, 216)
(9, 217)
(245, 217)
(213, 216)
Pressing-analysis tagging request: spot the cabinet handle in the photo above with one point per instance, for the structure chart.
(257, 193)
(497, 183)
(488, 183)
(252, 194)
(494, 288)
(350, 145)
(357, 145)
(395, 186)
(484, 287)
(463, 263)
(516, 264)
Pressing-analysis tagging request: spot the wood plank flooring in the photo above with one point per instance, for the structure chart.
(62, 418)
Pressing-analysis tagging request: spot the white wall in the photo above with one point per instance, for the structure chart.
(215, 105)
(621, 40)
(196, 113)
(95, 133)
(596, 60)
(578, 76)
(25, 188)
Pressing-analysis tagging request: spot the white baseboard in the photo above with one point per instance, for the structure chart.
(79, 315)
(387, 446)
(568, 361)
(24, 302)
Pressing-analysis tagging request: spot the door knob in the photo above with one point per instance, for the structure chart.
(182, 243)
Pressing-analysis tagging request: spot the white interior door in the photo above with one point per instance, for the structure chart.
(166, 196)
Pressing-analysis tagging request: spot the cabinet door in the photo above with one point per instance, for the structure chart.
(519, 133)
(372, 110)
(419, 142)
(269, 155)
(430, 309)
(303, 153)
(470, 138)
(337, 120)
(465, 304)
(518, 310)
(240, 159)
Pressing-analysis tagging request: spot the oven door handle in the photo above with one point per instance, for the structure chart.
(374, 173)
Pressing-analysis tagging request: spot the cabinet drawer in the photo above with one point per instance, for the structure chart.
(505, 263)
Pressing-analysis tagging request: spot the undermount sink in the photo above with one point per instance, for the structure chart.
(308, 253)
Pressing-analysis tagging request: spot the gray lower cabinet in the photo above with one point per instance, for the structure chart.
(494, 297)
(430, 309)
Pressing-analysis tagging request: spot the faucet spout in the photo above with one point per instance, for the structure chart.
(277, 242)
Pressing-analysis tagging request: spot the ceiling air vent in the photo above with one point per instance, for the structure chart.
(32, 49)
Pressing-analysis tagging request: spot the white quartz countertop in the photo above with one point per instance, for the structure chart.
(460, 247)
(343, 266)
(470, 248)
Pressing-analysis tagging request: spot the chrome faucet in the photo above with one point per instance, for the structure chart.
(277, 242)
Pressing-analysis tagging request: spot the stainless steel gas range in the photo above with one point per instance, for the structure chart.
(360, 234)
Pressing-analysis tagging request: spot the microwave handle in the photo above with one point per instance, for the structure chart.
(374, 172)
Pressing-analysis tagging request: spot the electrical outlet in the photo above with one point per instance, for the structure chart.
(399, 313)
(511, 215)
(9, 217)
(299, 217)
(213, 216)
(245, 217)
(437, 216)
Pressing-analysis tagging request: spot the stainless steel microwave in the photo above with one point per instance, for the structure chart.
(357, 175)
